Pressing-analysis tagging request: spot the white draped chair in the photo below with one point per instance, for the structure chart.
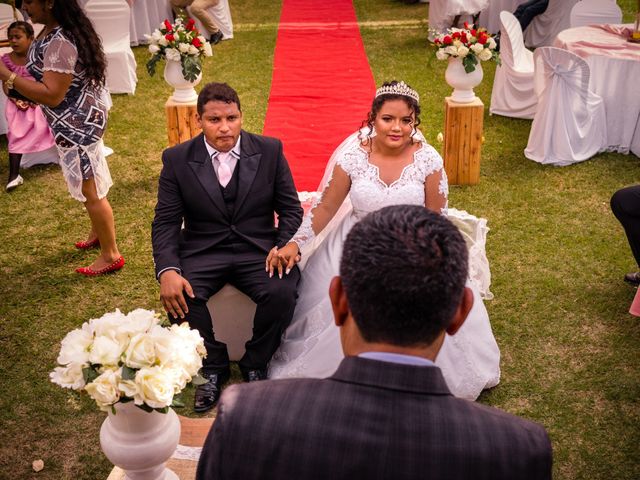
(595, 12)
(221, 15)
(442, 13)
(111, 20)
(512, 94)
(8, 14)
(543, 29)
(570, 122)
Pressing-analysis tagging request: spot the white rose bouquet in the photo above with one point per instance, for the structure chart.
(130, 358)
(469, 43)
(180, 42)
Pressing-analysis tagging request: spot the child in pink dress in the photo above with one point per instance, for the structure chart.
(28, 130)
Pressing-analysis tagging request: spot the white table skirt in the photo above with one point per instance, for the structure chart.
(615, 79)
(146, 16)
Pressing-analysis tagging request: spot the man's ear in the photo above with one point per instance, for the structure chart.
(339, 303)
(466, 303)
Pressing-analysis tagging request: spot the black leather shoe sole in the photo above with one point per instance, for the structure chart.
(633, 278)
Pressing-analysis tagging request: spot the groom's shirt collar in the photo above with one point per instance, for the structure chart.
(213, 153)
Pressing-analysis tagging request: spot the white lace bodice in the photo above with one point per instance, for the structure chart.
(369, 193)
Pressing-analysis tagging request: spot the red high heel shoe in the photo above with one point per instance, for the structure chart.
(82, 245)
(90, 272)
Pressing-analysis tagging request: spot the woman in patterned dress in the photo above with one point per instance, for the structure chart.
(68, 64)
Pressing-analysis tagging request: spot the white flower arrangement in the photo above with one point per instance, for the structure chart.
(180, 42)
(124, 358)
(469, 44)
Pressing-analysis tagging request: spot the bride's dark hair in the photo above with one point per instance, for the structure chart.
(380, 100)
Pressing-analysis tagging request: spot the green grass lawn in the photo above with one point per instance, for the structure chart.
(569, 348)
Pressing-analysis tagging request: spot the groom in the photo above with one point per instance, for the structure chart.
(225, 185)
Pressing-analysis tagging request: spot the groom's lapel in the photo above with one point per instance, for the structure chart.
(200, 163)
(247, 168)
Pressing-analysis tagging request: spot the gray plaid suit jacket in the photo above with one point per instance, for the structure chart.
(370, 420)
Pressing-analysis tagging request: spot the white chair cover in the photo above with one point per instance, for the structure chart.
(221, 15)
(543, 29)
(570, 123)
(490, 16)
(512, 94)
(8, 14)
(146, 16)
(595, 12)
(111, 20)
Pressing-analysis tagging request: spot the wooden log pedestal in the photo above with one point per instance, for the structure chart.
(463, 123)
(182, 123)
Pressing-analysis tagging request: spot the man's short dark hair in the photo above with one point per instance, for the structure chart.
(217, 92)
(404, 270)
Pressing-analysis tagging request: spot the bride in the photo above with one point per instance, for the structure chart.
(386, 163)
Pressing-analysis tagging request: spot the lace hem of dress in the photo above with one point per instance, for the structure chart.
(71, 166)
(59, 70)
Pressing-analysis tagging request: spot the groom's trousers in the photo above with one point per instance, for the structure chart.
(243, 266)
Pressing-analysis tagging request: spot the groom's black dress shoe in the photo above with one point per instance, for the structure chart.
(254, 375)
(207, 395)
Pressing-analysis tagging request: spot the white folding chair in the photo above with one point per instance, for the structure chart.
(8, 14)
(570, 123)
(221, 15)
(111, 19)
(543, 29)
(512, 94)
(595, 12)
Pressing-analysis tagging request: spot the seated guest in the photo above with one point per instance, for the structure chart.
(625, 204)
(387, 411)
(526, 12)
(199, 9)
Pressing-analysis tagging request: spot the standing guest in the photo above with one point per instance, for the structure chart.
(625, 204)
(68, 65)
(225, 185)
(199, 9)
(28, 129)
(387, 411)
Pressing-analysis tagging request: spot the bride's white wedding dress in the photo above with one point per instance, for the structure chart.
(311, 347)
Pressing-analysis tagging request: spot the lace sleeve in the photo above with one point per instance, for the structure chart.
(61, 56)
(324, 207)
(436, 185)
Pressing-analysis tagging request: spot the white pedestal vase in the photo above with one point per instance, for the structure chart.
(140, 442)
(462, 82)
(183, 91)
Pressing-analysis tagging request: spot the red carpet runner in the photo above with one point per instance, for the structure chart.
(322, 85)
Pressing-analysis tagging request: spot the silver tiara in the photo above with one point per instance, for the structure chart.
(399, 88)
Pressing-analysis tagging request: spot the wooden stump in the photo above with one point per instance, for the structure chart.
(182, 123)
(462, 141)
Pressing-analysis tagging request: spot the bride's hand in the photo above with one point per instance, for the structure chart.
(283, 260)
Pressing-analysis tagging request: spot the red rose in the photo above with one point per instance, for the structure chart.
(191, 21)
(168, 26)
(170, 37)
(437, 41)
(463, 38)
(196, 42)
(447, 40)
(456, 35)
(190, 25)
(473, 32)
(466, 25)
(483, 38)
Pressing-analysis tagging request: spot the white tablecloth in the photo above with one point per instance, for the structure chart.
(615, 70)
(146, 16)
(490, 16)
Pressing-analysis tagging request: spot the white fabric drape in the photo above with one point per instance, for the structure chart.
(111, 20)
(512, 94)
(594, 12)
(146, 16)
(570, 124)
(490, 16)
(543, 29)
(443, 12)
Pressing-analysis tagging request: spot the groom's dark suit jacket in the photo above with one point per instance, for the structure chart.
(370, 420)
(189, 190)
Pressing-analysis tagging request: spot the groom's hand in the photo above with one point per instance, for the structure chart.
(283, 260)
(172, 285)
